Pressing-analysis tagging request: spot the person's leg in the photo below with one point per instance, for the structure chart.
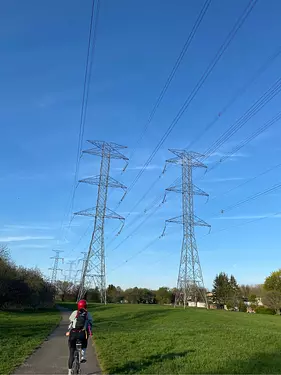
(84, 341)
(72, 347)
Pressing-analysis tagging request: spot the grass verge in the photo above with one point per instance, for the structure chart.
(21, 333)
(139, 339)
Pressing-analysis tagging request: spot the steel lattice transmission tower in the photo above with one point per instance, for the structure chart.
(70, 270)
(55, 268)
(94, 265)
(190, 279)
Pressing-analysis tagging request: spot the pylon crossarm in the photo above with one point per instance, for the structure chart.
(109, 214)
(88, 212)
(200, 223)
(176, 220)
(198, 191)
(176, 160)
(175, 189)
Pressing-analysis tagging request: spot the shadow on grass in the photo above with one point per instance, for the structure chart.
(136, 366)
(260, 363)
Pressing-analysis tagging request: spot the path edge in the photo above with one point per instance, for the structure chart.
(38, 346)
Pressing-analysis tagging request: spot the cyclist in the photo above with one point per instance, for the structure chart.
(79, 328)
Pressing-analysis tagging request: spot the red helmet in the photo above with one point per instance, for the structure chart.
(82, 304)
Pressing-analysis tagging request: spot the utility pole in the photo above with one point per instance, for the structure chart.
(190, 279)
(55, 268)
(80, 271)
(70, 270)
(94, 268)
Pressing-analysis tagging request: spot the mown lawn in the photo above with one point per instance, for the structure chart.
(139, 339)
(21, 333)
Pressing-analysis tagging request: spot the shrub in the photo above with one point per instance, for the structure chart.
(264, 310)
(242, 307)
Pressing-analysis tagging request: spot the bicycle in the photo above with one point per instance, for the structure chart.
(76, 369)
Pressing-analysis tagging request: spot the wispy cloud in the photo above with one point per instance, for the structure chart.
(151, 167)
(23, 176)
(248, 217)
(27, 226)
(225, 179)
(31, 246)
(221, 154)
(24, 238)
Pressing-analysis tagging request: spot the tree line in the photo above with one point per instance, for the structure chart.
(227, 292)
(67, 291)
(21, 287)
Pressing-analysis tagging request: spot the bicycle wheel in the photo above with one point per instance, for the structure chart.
(76, 364)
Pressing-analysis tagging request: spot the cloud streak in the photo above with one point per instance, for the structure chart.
(151, 167)
(31, 246)
(247, 217)
(225, 179)
(24, 238)
(27, 226)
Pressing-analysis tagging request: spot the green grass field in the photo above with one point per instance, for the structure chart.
(21, 333)
(143, 339)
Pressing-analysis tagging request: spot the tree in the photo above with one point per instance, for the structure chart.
(273, 282)
(272, 299)
(163, 295)
(64, 289)
(221, 289)
(253, 298)
(235, 293)
(21, 287)
(114, 294)
(245, 290)
(93, 295)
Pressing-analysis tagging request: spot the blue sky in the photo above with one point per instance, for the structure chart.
(43, 49)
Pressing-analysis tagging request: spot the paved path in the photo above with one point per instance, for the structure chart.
(52, 356)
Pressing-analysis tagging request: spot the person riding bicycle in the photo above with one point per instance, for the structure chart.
(80, 328)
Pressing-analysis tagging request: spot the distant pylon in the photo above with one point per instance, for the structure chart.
(70, 270)
(55, 268)
(94, 268)
(190, 279)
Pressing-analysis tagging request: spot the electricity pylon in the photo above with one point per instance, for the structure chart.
(70, 270)
(55, 268)
(190, 279)
(94, 267)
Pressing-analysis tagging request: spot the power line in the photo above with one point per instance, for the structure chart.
(238, 124)
(263, 128)
(230, 227)
(205, 75)
(86, 84)
(197, 87)
(212, 123)
(137, 228)
(174, 70)
(239, 92)
(253, 197)
(136, 254)
(247, 181)
(258, 132)
(251, 112)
